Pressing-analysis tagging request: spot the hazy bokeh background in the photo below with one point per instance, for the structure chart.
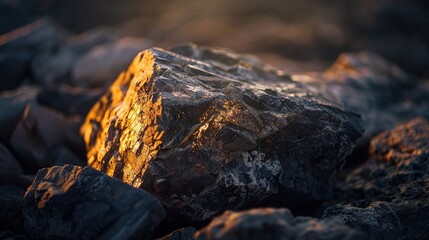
(303, 35)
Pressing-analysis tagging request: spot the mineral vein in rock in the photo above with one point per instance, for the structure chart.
(207, 130)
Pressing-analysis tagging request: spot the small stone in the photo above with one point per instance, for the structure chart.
(82, 203)
(69, 100)
(11, 208)
(40, 131)
(103, 63)
(180, 234)
(9, 167)
(270, 223)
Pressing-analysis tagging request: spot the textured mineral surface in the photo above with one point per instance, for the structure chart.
(71, 202)
(387, 197)
(207, 130)
(271, 223)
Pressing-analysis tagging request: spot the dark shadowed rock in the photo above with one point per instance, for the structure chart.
(103, 63)
(53, 66)
(11, 209)
(14, 68)
(387, 197)
(216, 131)
(71, 202)
(40, 131)
(69, 100)
(270, 223)
(180, 234)
(9, 167)
(377, 89)
(12, 105)
(84, 42)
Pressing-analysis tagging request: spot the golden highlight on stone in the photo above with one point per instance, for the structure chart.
(125, 117)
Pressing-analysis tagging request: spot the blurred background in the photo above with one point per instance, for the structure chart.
(47, 41)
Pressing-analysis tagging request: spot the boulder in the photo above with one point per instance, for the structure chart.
(207, 130)
(387, 197)
(71, 202)
(180, 234)
(270, 223)
(377, 89)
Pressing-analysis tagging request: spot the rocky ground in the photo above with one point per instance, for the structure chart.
(195, 142)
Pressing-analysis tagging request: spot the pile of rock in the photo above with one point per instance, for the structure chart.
(184, 136)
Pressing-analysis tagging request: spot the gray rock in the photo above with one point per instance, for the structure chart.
(71, 202)
(103, 63)
(39, 132)
(11, 209)
(270, 223)
(387, 197)
(211, 130)
(69, 100)
(377, 89)
(54, 66)
(9, 167)
(84, 42)
(12, 104)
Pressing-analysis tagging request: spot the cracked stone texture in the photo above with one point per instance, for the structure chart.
(387, 197)
(71, 202)
(270, 223)
(207, 130)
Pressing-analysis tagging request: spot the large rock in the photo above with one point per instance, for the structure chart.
(270, 223)
(387, 197)
(377, 89)
(210, 130)
(71, 202)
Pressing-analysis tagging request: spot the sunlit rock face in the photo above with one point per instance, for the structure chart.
(207, 130)
(387, 197)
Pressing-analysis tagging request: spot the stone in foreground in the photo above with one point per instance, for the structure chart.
(387, 197)
(71, 202)
(270, 223)
(207, 130)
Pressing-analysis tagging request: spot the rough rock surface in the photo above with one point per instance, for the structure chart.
(270, 223)
(387, 197)
(208, 130)
(377, 89)
(71, 202)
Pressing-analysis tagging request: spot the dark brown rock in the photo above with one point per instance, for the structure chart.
(387, 197)
(270, 223)
(71, 202)
(211, 130)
